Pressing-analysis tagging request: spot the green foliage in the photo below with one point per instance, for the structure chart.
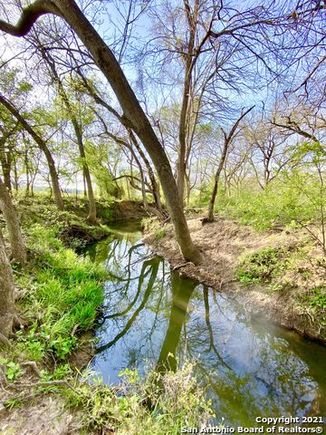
(318, 298)
(98, 161)
(292, 200)
(64, 292)
(153, 226)
(160, 233)
(260, 266)
(13, 369)
(159, 404)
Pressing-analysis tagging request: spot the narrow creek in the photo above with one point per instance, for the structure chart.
(250, 367)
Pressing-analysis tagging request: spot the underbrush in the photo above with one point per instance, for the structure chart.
(298, 272)
(295, 199)
(262, 265)
(152, 406)
(279, 204)
(151, 225)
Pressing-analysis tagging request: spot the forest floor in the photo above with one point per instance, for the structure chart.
(279, 275)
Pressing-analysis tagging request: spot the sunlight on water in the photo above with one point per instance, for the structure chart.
(151, 315)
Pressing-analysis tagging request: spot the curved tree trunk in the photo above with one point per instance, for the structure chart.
(43, 147)
(134, 115)
(7, 305)
(18, 249)
(210, 217)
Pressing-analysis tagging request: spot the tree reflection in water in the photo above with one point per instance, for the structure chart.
(153, 317)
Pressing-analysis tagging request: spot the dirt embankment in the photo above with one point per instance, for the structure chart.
(224, 244)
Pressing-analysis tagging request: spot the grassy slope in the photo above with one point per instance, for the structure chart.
(59, 295)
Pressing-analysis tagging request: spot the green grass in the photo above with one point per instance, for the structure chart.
(63, 294)
(318, 298)
(292, 199)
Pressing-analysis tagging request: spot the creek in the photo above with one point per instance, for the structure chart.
(153, 317)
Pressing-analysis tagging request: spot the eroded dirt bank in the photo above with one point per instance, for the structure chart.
(286, 298)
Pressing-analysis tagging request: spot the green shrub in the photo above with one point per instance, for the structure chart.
(318, 298)
(152, 406)
(291, 200)
(260, 266)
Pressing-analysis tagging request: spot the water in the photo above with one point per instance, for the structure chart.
(250, 368)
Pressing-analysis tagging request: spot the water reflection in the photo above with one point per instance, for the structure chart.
(154, 318)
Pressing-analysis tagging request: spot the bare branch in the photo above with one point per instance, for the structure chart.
(29, 16)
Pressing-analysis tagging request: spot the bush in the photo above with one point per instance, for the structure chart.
(260, 266)
(152, 406)
(292, 200)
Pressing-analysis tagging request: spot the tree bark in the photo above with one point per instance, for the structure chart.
(133, 113)
(43, 147)
(6, 168)
(227, 141)
(6, 157)
(181, 162)
(78, 132)
(18, 249)
(7, 305)
(210, 217)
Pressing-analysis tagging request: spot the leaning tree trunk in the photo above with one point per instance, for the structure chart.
(43, 147)
(155, 186)
(134, 115)
(18, 249)
(7, 305)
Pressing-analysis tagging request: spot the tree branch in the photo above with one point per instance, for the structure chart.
(29, 16)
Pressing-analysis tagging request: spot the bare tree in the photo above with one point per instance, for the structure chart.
(228, 138)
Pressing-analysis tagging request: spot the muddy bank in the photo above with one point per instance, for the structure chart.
(224, 244)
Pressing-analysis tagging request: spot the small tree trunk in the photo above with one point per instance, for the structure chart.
(87, 176)
(227, 141)
(15, 175)
(43, 147)
(7, 305)
(210, 217)
(155, 187)
(54, 179)
(18, 249)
